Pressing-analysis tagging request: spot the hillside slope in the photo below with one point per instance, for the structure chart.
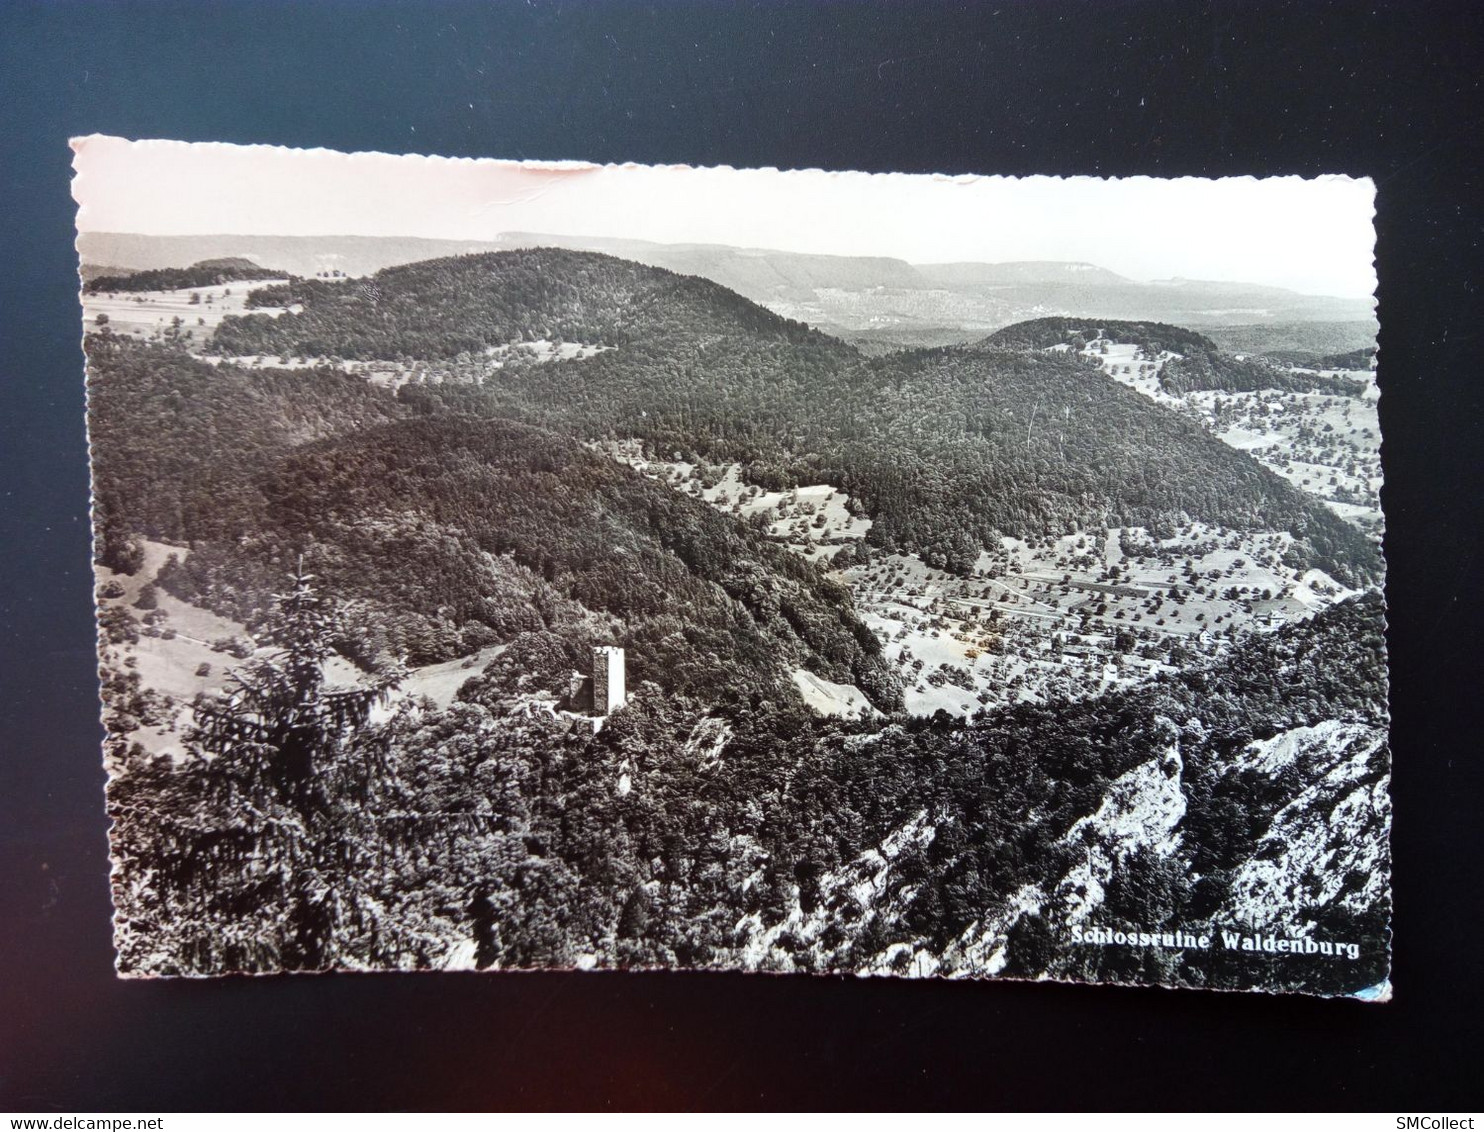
(206, 273)
(449, 533)
(177, 443)
(466, 304)
(455, 532)
(1199, 365)
(947, 449)
(1032, 443)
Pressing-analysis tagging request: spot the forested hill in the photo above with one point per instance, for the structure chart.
(1041, 333)
(444, 307)
(947, 450)
(450, 534)
(1030, 442)
(206, 273)
(1201, 364)
(1350, 359)
(178, 445)
(453, 533)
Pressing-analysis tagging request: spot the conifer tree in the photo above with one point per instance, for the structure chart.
(278, 725)
(289, 795)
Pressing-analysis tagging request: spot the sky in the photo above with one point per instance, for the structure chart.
(1313, 236)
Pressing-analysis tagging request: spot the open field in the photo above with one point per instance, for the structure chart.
(150, 313)
(1073, 616)
(472, 369)
(183, 650)
(1078, 615)
(1325, 444)
(815, 519)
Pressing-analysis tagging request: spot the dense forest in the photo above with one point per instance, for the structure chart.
(450, 533)
(1153, 337)
(947, 449)
(671, 838)
(206, 273)
(453, 533)
(178, 444)
(1350, 359)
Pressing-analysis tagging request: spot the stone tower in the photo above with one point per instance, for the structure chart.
(608, 681)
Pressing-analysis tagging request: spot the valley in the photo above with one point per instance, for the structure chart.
(1036, 621)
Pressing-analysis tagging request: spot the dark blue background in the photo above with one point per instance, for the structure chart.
(1110, 87)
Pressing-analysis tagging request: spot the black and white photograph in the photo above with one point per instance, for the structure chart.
(518, 565)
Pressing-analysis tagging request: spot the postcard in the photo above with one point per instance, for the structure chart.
(520, 565)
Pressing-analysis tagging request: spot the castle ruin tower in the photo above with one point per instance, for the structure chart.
(608, 680)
